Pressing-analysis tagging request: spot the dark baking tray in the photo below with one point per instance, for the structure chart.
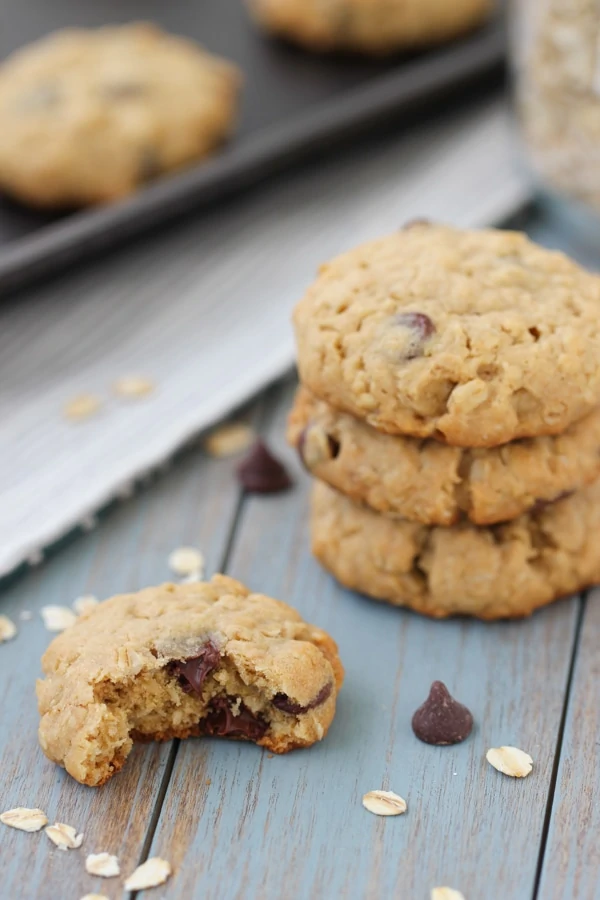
(293, 102)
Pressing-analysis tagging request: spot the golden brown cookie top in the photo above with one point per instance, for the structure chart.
(129, 633)
(472, 337)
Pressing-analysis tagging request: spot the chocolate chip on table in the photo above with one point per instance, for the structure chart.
(287, 705)
(192, 672)
(442, 719)
(220, 721)
(261, 473)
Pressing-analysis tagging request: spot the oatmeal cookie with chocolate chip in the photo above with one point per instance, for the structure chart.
(369, 26)
(184, 660)
(432, 483)
(475, 338)
(502, 571)
(87, 116)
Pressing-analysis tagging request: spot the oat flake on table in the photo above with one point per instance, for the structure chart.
(95, 897)
(102, 864)
(446, 893)
(57, 618)
(510, 761)
(384, 803)
(64, 836)
(153, 872)
(8, 629)
(229, 439)
(133, 386)
(186, 561)
(24, 819)
(81, 407)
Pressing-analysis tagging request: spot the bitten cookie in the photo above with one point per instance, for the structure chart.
(179, 660)
(88, 116)
(474, 338)
(369, 26)
(493, 573)
(435, 484)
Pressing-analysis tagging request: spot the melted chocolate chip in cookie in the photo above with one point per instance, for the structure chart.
(540, 505)
(261, 473)
(222, 722)
(287, 705)
(442, 719)
(192, 672)
(420, 328)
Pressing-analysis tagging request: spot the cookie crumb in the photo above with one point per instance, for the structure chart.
(95, 897)
(25, 615)
(229, 439)
(262, 473)
(84, 604)
(8, 629)
(270, 755)
(208, 781)
(510, 761)
(446, 893)
(187, 561)
(442, 720)
(153, 872)
(81, 407)
(384, 803)
(102, 864)
(57, 618)
(133, 386)
(64, 836)
(24, 819)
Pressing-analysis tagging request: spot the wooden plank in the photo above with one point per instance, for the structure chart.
(195, 504)
(571, 867)
(293, 826)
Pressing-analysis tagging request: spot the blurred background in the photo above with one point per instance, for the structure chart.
(162, 210)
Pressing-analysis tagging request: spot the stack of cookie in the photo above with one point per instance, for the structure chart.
(450, 410)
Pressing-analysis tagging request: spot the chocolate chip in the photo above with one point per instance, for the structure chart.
(220, 721)
(286, 705)
(420, 327)
(315, 446)
(261, 473)
(192, 672)
(123, 90)
(442, 719)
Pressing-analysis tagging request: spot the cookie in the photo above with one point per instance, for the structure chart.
(435, 484)
(89, 116)
(475, 338)
(502, 571)
(180, 660)
(369, 26)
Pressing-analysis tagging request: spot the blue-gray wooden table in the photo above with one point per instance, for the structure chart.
(237, 822)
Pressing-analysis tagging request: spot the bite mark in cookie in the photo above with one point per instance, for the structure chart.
(184, 660)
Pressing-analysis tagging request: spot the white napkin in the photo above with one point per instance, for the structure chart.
(204, 311)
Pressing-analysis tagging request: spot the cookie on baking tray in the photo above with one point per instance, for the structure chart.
(369, 26)
(87, 116)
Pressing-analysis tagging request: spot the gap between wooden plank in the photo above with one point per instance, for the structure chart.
(262, 417)
(559, 744)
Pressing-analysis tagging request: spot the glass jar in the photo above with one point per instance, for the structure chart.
(556, 62)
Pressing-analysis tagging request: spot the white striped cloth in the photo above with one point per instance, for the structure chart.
(203, 309)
